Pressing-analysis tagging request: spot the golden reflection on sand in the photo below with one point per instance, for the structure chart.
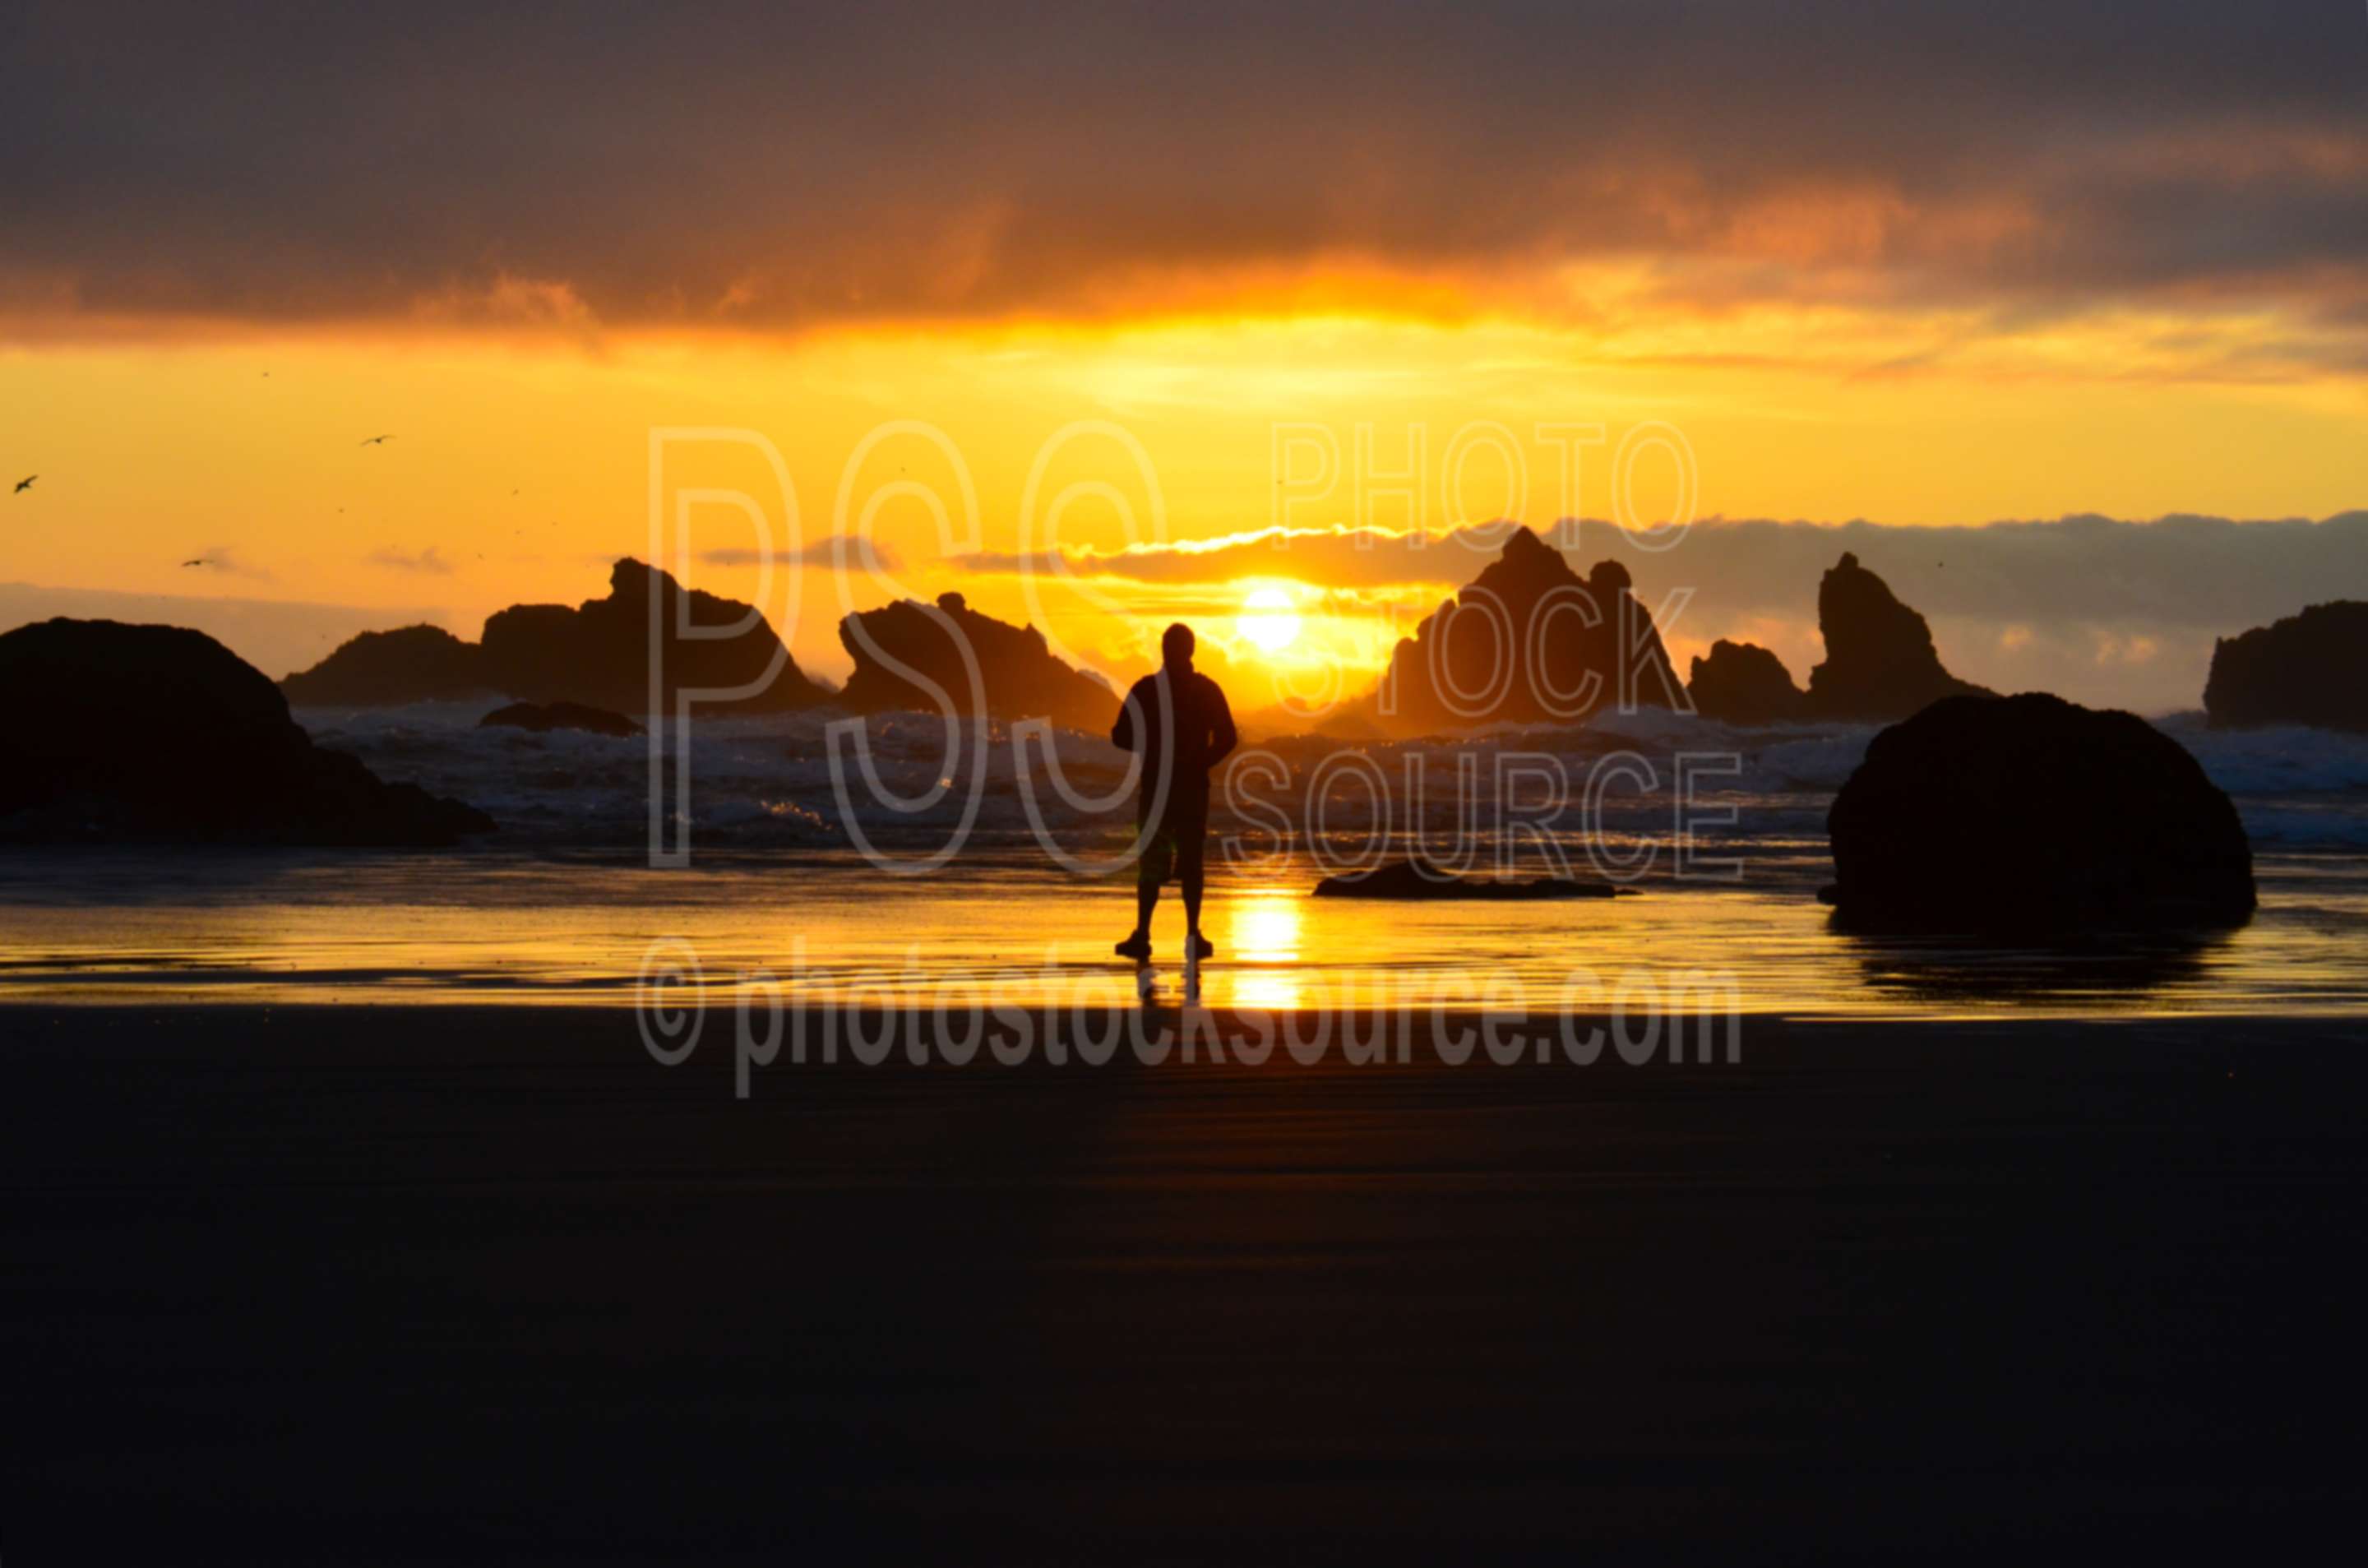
(1261, 947)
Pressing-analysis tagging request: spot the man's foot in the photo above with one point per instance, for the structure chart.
(1196, 946)
(1137, 946)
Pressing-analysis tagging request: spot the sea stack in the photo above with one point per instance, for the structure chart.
(1529, 642)
(1017, 675)
(1742, 683)
(2310, 668)
(379, 669)
(597, 653)
(1879, 663)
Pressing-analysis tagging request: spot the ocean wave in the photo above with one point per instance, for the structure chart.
(769, 781)
(2284, 759)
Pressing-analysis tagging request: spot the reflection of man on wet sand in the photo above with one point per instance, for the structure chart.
(1179, 721)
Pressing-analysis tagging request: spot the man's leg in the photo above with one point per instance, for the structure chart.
(1150, 871)
(1146, 899)
(1189, 873)
(1194, 836)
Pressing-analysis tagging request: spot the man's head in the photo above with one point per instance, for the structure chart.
(1176, 647)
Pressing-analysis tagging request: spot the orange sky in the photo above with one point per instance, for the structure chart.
(520, 462)
(1923, 265)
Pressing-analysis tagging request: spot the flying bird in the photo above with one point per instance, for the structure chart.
(378, 440)
(26, 483)
(201, 560)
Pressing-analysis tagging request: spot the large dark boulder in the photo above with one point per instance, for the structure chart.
(1529, 642)
(1742, 683)
(1880, 662)
(541, 717)
(1018, 676)
(411, 664)
(2034, 814)
(597, 653)
(158, 734)
(2310, 668)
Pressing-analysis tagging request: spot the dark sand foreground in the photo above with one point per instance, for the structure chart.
(407, 1284)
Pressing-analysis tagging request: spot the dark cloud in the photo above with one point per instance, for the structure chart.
(837, 553)
(225, 560)
(564, 165)
(430, 561)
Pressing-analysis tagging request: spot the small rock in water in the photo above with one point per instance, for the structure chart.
(1405, 880)
(544, 717)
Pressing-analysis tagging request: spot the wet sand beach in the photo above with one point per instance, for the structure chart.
(489, 1284)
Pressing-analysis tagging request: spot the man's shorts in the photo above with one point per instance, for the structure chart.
(1175, 847)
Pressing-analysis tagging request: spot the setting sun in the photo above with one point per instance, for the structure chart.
(1269, 620)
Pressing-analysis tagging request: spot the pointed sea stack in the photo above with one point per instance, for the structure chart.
(1879, 663)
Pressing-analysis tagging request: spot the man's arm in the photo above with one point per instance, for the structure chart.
(1122, 732)
(1222, 737)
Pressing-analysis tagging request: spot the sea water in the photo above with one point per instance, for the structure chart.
(799, 877)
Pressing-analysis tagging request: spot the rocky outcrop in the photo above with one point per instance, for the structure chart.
(1742, 683)
(596, 653)
(1405, 880)
(2310, 668)
(1880, 662)
(2032, 814)
(124, 733)
(600, 653)
(1018, 676)
(544, 717)
(1529, 642)
(411, 664)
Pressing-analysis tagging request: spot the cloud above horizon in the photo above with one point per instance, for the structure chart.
(2193, 570)
(837, 552)
(2098, 609)
(430, 561)
(226, 560)
(1996, 168)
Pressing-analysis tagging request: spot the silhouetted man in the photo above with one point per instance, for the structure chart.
(1178, 720)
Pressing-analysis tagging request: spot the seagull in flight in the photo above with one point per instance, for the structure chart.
(378, 440)
(26, 483)
(201, 560)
